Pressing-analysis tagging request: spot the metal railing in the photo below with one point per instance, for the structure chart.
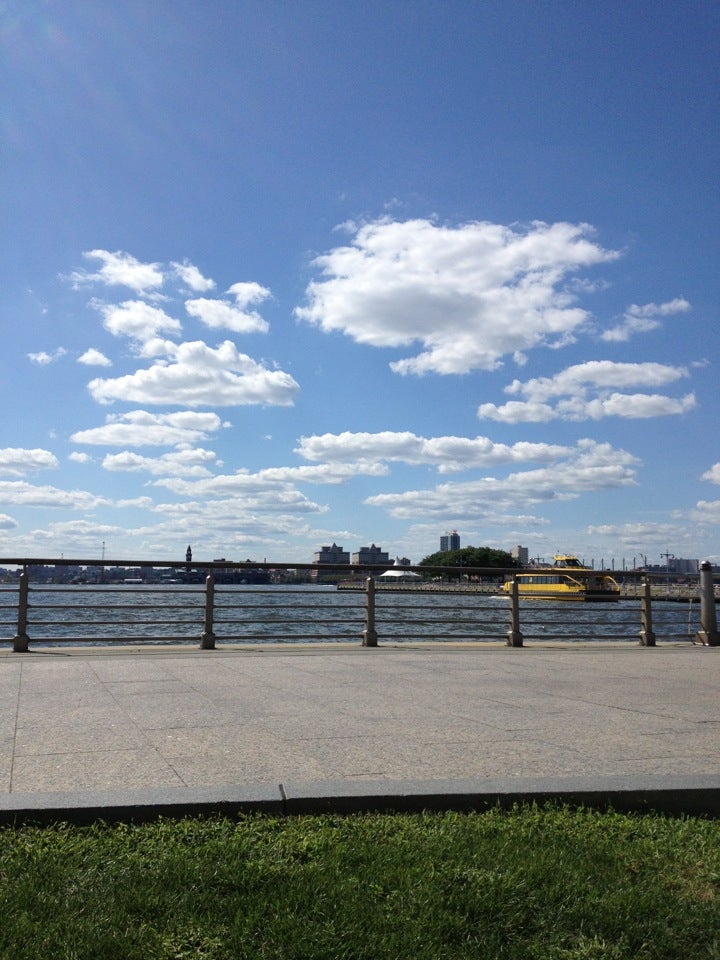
(208, 613)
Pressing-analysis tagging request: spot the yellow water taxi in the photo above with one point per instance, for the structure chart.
(564, 580)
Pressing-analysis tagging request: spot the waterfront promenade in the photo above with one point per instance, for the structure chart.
(107, 729)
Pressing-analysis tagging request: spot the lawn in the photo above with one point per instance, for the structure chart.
(530, 883)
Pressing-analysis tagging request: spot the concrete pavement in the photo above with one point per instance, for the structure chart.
(107, 730)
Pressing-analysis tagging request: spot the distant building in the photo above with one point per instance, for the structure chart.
(449, 541)
(521, 554)
(333, 554)
(675, 565)
(371, 554)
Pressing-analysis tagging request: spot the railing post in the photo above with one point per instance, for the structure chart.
(514, 635)
(21, 639)
(370, 638)
(708, 632)
(207, 640)
(647, 636)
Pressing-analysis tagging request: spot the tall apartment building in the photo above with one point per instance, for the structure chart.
(371, 554)
(333, 554)
(450, 541)
(521, 554)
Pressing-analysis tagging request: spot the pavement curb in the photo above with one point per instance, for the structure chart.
(669, 795)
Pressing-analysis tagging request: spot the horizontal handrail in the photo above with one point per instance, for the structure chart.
(323, 569)
(271, 613)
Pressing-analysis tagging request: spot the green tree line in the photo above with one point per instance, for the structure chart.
(469, 557)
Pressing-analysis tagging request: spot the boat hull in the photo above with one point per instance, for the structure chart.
(601, 596)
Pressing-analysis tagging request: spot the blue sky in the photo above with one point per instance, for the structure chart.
(278, 275)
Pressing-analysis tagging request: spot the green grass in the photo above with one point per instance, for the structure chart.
(531, 883)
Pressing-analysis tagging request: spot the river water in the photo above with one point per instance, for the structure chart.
(287, 614)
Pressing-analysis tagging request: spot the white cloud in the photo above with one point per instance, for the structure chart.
(136, 319)
(333, 473)
(235, 523)
(179, 463)
(635, 406)
(7, 523)
(156, 347)
(76, 457)
(448, 454)
(221, 314)
(201, 376)
(120, 269)
(592, 466)
(469, 294)
(42, 358)
(191, 277)
(713, 474)
(585, 393)
(631, 406)
(280, 498)
(218, 314)
(707, 511)
(78, 534)
(597, 373)
(16, 461)
(244, 484)
(516, 411)
(138, 428)
(94, 358)
(247, 292)
(20, 493)
(142, 502)
(643, 318)
(639, 536)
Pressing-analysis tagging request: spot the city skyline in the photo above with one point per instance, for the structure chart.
(280, 277)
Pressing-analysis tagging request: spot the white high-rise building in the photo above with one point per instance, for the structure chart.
(450, 541)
